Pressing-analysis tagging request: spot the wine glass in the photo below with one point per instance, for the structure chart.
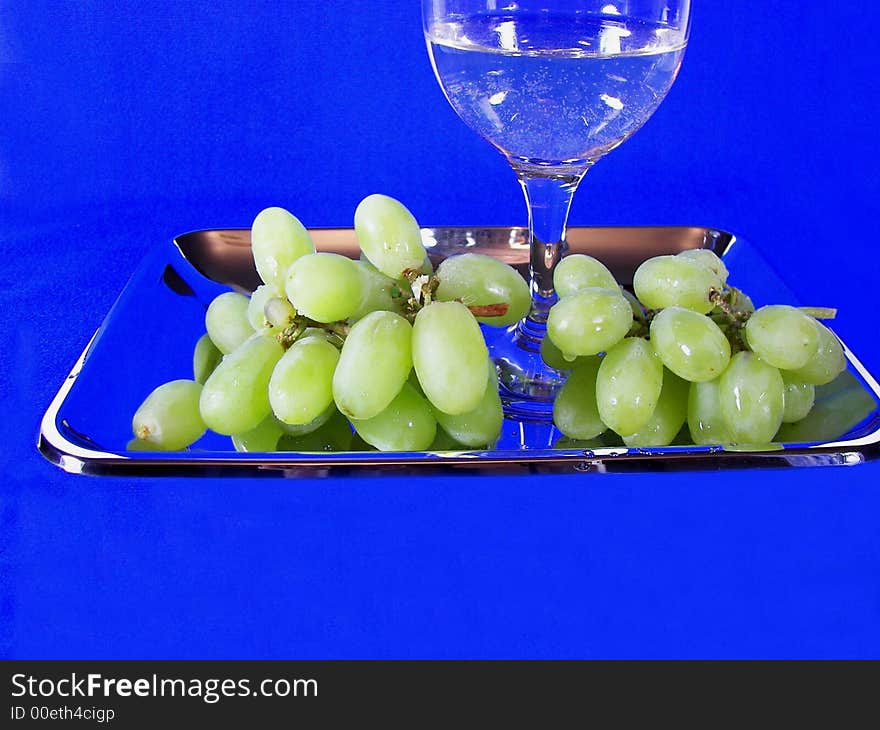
(554, 85)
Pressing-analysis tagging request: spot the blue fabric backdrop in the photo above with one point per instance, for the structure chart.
(125, 123)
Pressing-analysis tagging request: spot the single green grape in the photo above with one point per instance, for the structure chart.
(279, 312)
(708, 259)
(705, 422)
(827, 363)
(205, 358)
(389, 235)
(553, 356)
(691, 345)
(575, 410)
(407, 424)
(579, 271)
(235, 399)
(169, 418)
(449, 356)
(256, 311)
(137, 444)
(637, 309)
(277, 240)
(670, 281)
(798, 398)
(480, 427)
(263, 438)
(301, 429)
(301, 386)
(782, 336)
(628, 385)
(325, 287)
(333, 435)
(444, 442)
(668, 417)
(377, 292)
(375, 362)
(477, 279)
(751, 394)
(589, 321)
(227, 322)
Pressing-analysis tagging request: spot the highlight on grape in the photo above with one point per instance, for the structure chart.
(384, 352)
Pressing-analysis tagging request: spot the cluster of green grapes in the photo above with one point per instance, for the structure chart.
(687, 348)
(334, 354)
(384, 344)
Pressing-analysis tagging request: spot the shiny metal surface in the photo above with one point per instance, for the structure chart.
(84, 430)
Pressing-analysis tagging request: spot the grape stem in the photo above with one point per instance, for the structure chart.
(732, 322)
(820, 312)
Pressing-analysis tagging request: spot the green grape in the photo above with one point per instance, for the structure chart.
(358, 444)
(205, 358)
(407, 424)
(301, 429)
(691, 345)
(277, 240)
(668, 417)
(263, 438)
(669, 281)
(477, 279)
(235, 398)
(553, 356)
(321, 334)
(137, 444)
(707, 258)
(589, 322)
(227, 322)
(705, 422)
(750, 392)
(376, 361)
(564, 442)
(388, 235)
(444, 442)
(256, 311)
(782, 336)
(279, 312)
(169, 417)
(334, 434)
(827, 363)
(377, 292)
(628, 385)
(579, 271)
(301, 386)
(325, 287)
(798, 398)
(449, 356)
(637, 309)
(575, 411)
(480, 427)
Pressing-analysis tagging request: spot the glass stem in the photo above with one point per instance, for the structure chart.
(548, 197)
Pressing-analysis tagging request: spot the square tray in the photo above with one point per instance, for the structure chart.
(148, 336)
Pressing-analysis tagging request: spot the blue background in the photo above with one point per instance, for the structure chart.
(125, 123)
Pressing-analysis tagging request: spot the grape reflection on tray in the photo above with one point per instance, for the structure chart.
(333, 354)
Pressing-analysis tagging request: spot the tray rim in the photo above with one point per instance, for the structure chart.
(75, 458)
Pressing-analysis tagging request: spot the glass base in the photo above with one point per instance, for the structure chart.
(526, 383)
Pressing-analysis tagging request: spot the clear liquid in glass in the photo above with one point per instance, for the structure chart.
(551, 90)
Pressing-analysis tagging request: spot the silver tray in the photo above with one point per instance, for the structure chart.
(148, 336)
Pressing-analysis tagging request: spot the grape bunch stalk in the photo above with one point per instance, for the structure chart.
(336, 354)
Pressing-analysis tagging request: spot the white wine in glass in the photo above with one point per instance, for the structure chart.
(554, 85)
